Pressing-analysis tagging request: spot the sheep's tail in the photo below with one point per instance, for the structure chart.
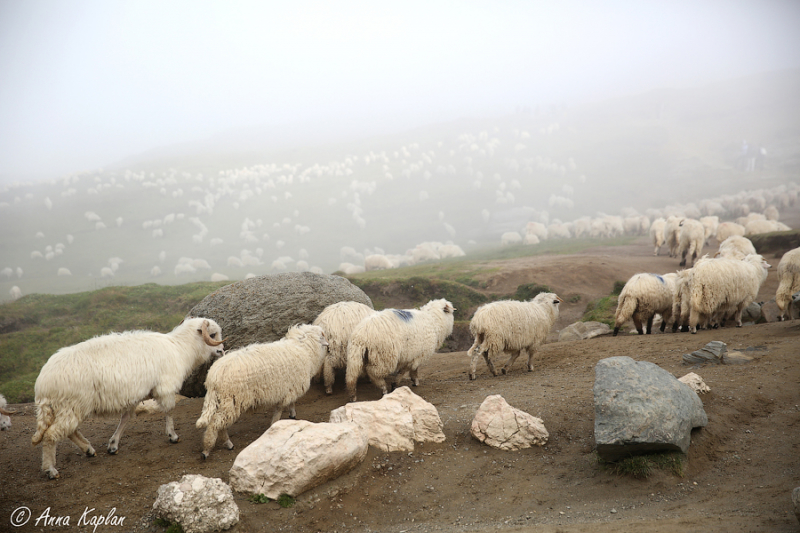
(210, 406)
(626, 306)
(45, 416)
(356, 359)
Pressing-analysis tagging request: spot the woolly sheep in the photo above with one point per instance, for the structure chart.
(5, 419)
(736, 247)
(111, 374)
(657, 234)
(272, 375)
(726, 229)
(15, 292)
(789, 282)
(642, 297)
(338, 321)
(710, 224)
(672, 235)
(395, 341)
(377, 262)
(511, 326)
(510, 237)
(681, 299)
(772, 213)
(725, 286)
(691, 240)
(755, 227)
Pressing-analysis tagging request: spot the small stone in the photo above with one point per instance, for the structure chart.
(613, 511)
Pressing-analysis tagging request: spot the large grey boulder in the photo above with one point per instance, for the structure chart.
(395, 422)
(583, 330)
(293, 456)
(261, 309)
(501, 426)
(198, 503)
(640, 407)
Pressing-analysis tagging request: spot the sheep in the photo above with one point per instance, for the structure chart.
(726, 229)
(511, 326)
(395, 341)
(789, 282)
(692, 239)
(15, 292)
(510, 237)
(736, 247)
(681, 299)
(657, 234)
(642, 297)
(710, 224)
(273, 375)
(5, 414)
(672, 234)
(111, 374)
(377, 262)
(725, 286)
(338, 321)
(755, 227)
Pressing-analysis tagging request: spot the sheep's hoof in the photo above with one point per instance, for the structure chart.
(293, 417)
(174, 440)
(504, 371)
(52, 473)
(112, 450)
(204, 455)
(90, 452)
(328, 391)
(228, 445)
(472, 377)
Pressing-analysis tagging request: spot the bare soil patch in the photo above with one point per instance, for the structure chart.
(738, 476)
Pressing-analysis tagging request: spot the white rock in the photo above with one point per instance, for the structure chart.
(501, 426)
(205, 509)
(294, 456)
(695, 382)
(394, 422)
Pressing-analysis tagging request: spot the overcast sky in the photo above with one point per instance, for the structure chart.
(86, 83)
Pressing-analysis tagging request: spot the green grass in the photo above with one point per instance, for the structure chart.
(286, 501)
(258, 498)
(44, 323)
(604, 309)
(642, 466)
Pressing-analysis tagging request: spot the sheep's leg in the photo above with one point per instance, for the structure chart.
(650, 324)
(210, 439)
(292, 412)
(328, 376)
(413, 374)
(49, 458)
(276, 415)
(113, 442)
(474, 353)
(694, 320)
(226, 440)
(510, 362)
(638, 323)
(167, 403)
(377, 379)
(531, 353)
(82, 443)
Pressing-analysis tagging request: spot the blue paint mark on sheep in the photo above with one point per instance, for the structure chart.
(659, 278)
(403, 315)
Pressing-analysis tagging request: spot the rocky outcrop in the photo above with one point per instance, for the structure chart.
(199, 504)
(261, 309)
(395, 422)
(294, 456)
(640, 407)
(583, 330)
(501, 426)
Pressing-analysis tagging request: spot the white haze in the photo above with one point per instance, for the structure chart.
(85, 84)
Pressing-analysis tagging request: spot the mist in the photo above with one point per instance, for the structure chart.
(89, 84)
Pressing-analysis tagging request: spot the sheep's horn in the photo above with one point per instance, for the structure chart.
(5, 412)
(207, 337)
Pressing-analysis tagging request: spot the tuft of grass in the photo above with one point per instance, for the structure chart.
(286, 501)
(419, 291)
(528, 291)
(258, 498)
(642, 466)
(618, 286)
(601, 310)
(575, 299)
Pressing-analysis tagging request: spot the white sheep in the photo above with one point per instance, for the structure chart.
(5, 418)
(672, 234)
(642, 297)
(395, 341)
(657, 234)
(724, 286)
(338, 322)
(510, 237)
(726, 229)
(15, 292)
(736, 247)
(710, 224)
(511, 326)
(789, 282)
(691, 240)
(272, 375)
(681, 298)
(377, 262)
(111, 374)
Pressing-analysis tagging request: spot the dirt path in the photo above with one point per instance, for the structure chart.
(739, 474)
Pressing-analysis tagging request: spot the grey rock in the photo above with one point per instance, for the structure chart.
(261, 309)
(199, 504)
(796, 502)
(713, 352)
(583, 330)
(752, 313)
(640, 407)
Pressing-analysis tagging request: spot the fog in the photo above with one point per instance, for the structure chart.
(88, 84)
